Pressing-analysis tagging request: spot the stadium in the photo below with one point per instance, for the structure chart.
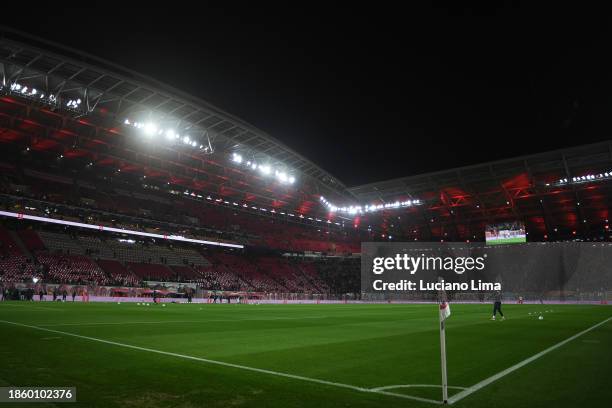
(157, 251)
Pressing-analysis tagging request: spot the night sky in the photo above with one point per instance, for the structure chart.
(368, 94)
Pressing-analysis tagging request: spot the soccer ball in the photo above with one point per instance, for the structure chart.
(138, 303)
(163, 305)
(541, 317)
(118, 303)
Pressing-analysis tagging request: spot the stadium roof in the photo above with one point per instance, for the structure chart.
(538, 188)
(562, 191)
(539, 168)
(122, 93)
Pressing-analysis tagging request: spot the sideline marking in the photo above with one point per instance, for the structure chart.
(461, 395)
(121, 323)
(178, 321)
(221, 363)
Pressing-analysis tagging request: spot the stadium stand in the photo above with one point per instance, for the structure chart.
(69, 258)
(118, 273)
(67, 163)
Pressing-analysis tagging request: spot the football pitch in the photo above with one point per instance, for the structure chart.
(212, 355)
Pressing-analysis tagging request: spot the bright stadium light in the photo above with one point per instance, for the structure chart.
(281, 176)
(591, 177)
(150, 128)
(280, 173)
(25, 91)
(358, 209)
(237, 158)
(72, 103)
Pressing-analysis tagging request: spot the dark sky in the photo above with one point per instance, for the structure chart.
(368, 94)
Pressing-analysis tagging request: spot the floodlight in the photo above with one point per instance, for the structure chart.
(150, 128)
(170, 134)
(237, 158)
(35, 279)
(282, 176)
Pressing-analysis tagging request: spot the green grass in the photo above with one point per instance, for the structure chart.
(507, 241)
(360, 345)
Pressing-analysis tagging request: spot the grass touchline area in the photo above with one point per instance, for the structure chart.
(377, 354)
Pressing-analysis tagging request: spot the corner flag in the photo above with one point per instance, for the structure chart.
(444, 311)
(444, 314)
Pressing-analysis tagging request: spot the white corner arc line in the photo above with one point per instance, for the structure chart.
(461, 395)
(406, 396)
(222, 363)
(391, 387)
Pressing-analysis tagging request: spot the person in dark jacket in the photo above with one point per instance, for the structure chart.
(497, 305)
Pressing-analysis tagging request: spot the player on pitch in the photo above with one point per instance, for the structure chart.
(497, 305)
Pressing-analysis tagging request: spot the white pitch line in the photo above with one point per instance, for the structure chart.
(395, 394)
(122, 323)
(391, 387)
(174, 321)
(461, 395)
(224, 364)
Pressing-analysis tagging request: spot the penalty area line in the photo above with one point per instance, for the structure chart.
(461, 395)
(224, 364)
